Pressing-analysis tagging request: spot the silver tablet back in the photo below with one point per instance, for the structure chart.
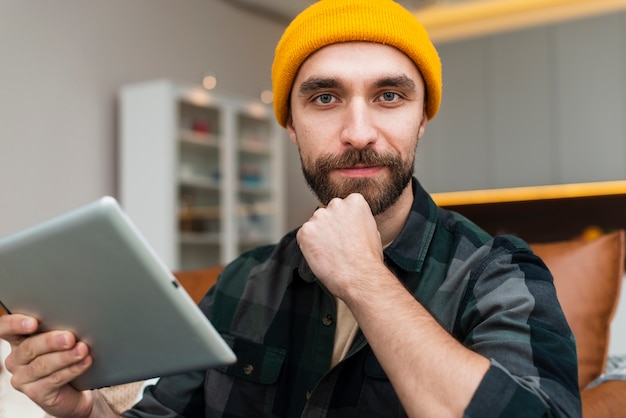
(92, 272)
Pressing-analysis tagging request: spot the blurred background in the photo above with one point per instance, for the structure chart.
(534, 95)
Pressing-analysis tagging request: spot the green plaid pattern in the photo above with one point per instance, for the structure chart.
(492, 294)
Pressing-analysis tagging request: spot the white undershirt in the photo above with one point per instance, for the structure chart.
(345, 332)
(346, 329)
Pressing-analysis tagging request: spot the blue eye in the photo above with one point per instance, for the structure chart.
(389, 96)
(325, 98)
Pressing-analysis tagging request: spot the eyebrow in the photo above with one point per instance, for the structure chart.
(401, 81)
(314, 84)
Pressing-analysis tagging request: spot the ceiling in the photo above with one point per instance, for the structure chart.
(288, 9)
(449, 20)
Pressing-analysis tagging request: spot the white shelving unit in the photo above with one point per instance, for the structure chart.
(201, 176)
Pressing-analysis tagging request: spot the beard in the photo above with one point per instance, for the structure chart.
(380, 193)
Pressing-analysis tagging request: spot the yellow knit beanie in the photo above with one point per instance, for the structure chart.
(332, 21)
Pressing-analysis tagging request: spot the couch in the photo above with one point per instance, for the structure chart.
(588, 275)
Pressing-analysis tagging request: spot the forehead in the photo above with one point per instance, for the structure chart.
(358, 60)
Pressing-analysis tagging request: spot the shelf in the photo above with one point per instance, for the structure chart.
(543, 213)
(254, 190)
(185, 157)
(202, 212)
(191, 238)
(258, 208)
(199, 139)
(255, 147)
(214, 212)
(200, 182)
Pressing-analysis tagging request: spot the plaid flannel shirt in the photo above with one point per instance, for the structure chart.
(492, 294)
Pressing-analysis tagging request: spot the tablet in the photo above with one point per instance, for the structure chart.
(92, 272)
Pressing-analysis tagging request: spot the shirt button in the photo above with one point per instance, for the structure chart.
(327, 320)
(308, 394)
(248, 369)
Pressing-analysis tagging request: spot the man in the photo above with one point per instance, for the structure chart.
(382, 304)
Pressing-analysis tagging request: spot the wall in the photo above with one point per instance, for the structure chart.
(617, 342)
(529, 107)
(544, 105)
(62, 65)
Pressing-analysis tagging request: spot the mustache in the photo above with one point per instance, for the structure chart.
(353, 157)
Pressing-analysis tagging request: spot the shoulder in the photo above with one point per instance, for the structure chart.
(472, 248)
(466, 237)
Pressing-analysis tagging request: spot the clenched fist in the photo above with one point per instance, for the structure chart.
(342, 245)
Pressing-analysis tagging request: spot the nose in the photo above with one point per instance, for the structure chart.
(358, 126)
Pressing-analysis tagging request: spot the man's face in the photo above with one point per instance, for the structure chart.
(357, 112)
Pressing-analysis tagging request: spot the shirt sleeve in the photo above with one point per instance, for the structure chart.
(175, 396)
(512, 316)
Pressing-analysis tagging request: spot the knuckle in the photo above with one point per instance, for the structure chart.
(56, 379)
(20, 354)
(26, 350)
(16, 382)
(9, 363)
(38, 367)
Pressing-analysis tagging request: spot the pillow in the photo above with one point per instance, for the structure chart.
(587, 276)
(198, 282)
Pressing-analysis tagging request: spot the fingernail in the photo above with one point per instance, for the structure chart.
(29, 323)
(62, 340)
(76, 351)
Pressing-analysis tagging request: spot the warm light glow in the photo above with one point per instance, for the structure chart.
(267, 96)
(520, 194)
(209, 82)
(198, 96)
(460, 20)
(257, 110)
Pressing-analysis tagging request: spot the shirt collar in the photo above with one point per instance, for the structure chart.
(408, 251)
(304, 270)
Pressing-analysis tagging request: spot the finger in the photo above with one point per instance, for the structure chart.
(53, 370)
(14, 327)
(334, 202)
(37, 345)
(53, 392)
(355, 197)
(358, 200)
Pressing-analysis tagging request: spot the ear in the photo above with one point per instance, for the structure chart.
(291, 130)
(423, 124)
